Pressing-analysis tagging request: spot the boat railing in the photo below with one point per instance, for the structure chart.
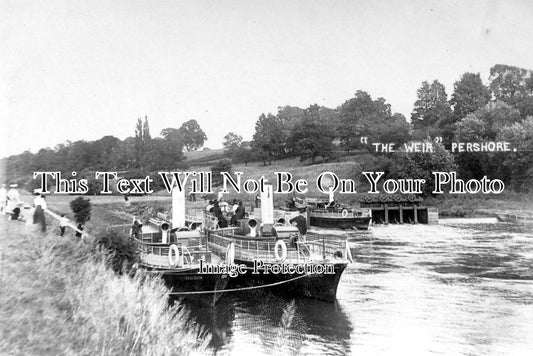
(328, 247)
(186, 250)
(303, 251)
(159, 249)
(261, 247)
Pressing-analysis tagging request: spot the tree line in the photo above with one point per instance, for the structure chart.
(475, 112)
(134, 156)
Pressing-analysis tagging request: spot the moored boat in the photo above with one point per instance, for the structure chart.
(311, 268)
(322, 214)
(273, 255)
(176, 249)
(340, 218)
(178, 258)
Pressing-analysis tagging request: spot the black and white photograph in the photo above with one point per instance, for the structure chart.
(266, 177)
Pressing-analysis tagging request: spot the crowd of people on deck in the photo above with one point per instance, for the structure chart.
(237, 212)
(12, 206)
(221, 210)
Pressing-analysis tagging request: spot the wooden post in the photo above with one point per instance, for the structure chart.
(386, 214)
(401, 214)
(415, 214)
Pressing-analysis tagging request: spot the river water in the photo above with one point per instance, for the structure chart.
(464, 287)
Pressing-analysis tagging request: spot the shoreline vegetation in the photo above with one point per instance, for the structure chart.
(60, 297)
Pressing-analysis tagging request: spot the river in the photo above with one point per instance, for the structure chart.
(464, 287)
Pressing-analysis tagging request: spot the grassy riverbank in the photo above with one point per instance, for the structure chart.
(58, 298)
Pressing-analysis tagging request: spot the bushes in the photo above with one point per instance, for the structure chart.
(123, 253)
(81, 209)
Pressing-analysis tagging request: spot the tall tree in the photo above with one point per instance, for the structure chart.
(169, 149)
(431, 107)
(510, 84)
(312, 137)
(269, 138)
(360, 116)
(469, 94)
(231, 142)
(483, 125)
(142, 142)
(290, 116)
(193, 135)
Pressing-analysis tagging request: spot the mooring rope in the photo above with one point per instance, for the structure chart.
(240, 289)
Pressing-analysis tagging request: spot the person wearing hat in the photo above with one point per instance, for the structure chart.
(238, 215)
(13, 198)
(3, 199)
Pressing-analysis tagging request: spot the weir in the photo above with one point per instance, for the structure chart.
(399, 210)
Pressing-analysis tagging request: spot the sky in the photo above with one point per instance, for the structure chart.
(80, 70)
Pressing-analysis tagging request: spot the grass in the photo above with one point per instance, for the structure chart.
(57, 298)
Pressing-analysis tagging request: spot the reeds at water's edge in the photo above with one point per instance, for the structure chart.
(58, 298)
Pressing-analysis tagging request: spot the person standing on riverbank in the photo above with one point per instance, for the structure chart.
(38, 216)
(62, 224)
(80, 228)
(13, 198)
(3, 199)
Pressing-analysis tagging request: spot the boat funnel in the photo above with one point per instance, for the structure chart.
(178, 208)
(267, 205)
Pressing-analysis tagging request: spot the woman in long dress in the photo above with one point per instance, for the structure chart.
(38, 215)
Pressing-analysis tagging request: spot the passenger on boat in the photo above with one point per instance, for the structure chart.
(331, 196)
(239, 214)
(234, 207)
(136, 228)
(218, 214)
(291, 203)
(301, 223)
(209, 207)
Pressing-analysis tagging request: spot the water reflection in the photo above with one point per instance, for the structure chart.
(452, 289)
(262, 322)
